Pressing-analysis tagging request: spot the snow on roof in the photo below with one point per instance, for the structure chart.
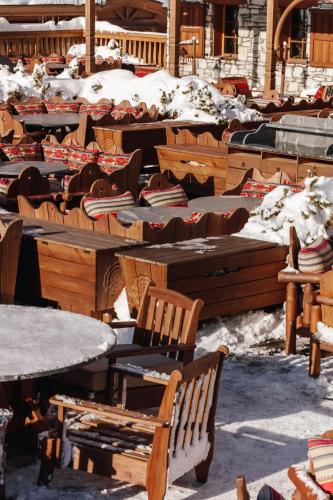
(77, 23)
(48, 2)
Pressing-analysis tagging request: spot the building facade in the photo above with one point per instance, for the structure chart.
(231, 37)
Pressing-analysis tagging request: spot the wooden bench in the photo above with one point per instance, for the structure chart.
(75, 269)
(230, 274)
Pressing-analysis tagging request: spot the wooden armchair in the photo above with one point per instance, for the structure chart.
(10, 129)
(164, 340)
(139, 448)
(321, 309)
(298, 300)
(305, 482)
(10, 243)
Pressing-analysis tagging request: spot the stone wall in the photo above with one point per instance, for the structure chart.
(251, 53)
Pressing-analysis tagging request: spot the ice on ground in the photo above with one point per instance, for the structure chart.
(310, 212)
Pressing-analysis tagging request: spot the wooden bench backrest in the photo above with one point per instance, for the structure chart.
(83, 180)
(30, 182)
(189, 402)
(9, 257)
(166, 317)
(326, 290)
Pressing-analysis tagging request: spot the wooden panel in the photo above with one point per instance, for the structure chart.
(321, 42)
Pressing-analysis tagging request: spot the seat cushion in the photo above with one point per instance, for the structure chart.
(96, 207)
(321, 456)
(316, 257)
(170, 197)
(93, 377)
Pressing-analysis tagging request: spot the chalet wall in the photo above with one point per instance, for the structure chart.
(251, 53)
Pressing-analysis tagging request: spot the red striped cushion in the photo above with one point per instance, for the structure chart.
(54, 59)
(254, 189)
(21, 152)
(30, 109)
(96, 109)
(77, 157)
(62, 107)
(55, 153)
(171, 197)
(119, 112)
(321, 455)
(96, 207)
(4, 184)
(109, 162)
(316, 257)
(268, 493)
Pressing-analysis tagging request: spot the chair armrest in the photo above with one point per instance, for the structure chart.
(124, 350)
(122, 324)
(142, 373)
(109, 412)
(300, 278)
(304, 483)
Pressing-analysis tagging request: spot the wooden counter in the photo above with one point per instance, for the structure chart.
(147, 135)
(229, 273)
(74, 268)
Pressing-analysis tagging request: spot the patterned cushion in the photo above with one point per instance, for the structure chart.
(321, 455)
(4, 184)
(62, 107)
(37, 108)
(55, 153)
(77, 157)
(119, 112)
(96, 109)
(268, 493)
(53, 59)
(171, 197)
(254, 189)
(21, 152)
(96, 207)
(316, 257)
(109, 162)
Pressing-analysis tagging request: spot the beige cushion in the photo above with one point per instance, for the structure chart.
(93, 377)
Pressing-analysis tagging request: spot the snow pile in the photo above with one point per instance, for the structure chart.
(310, 211)
(187, 98)
(325, 333)
(111, 50)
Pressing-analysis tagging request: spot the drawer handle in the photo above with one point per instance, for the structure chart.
(222, 272)
(243, 164)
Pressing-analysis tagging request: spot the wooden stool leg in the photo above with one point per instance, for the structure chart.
(48, 461)
(315, 359)
(291, 315)
(307, 301)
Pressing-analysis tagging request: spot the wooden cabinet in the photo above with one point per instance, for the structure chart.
(74, 268)
(230, 274)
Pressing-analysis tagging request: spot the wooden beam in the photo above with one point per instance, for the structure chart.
(90, 36)
(270, 65)
(174, 36)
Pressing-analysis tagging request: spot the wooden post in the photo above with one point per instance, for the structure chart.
(90, 36)
(194, 45)
(270, 65)
(283, 68)
(174, 36)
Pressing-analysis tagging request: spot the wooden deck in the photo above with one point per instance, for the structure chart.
(74, 268)
(230, 274)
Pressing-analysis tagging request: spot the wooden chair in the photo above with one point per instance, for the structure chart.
(241, 489)
(164, 340)
(139, 448)
(254, 174)
(5, 417)
(9, 257)
(305, 481)
(321, 309)
(10, 127)
(83, 134)
(299, 296)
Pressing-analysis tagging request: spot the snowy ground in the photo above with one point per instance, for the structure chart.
(267, 408)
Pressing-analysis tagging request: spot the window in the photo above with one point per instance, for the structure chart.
(226, 31)
(297, 34)
(321, 52)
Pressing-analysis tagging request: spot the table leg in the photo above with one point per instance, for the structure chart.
(291, 315)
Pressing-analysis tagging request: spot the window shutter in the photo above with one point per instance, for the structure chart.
(321, 53)
(193, 25)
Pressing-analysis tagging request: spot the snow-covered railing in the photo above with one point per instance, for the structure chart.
(148, 47)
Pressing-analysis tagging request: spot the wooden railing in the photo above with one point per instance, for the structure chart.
(150, 47)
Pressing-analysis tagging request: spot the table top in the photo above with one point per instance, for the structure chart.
(196, 250)
(39, 341)
(57, 65)
(153, 215)
(14, 168)
(223, 203)
(131, 127)
(49, 120)
(62, 234)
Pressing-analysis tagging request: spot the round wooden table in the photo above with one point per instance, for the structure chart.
(153, 215)
(14, 168)
(49, 121)
(37, 342)
(223, 203)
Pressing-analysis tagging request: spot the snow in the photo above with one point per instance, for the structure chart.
(51, 341)
(310, 212)
(104, 51)
(325, 333)
(187, 98)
